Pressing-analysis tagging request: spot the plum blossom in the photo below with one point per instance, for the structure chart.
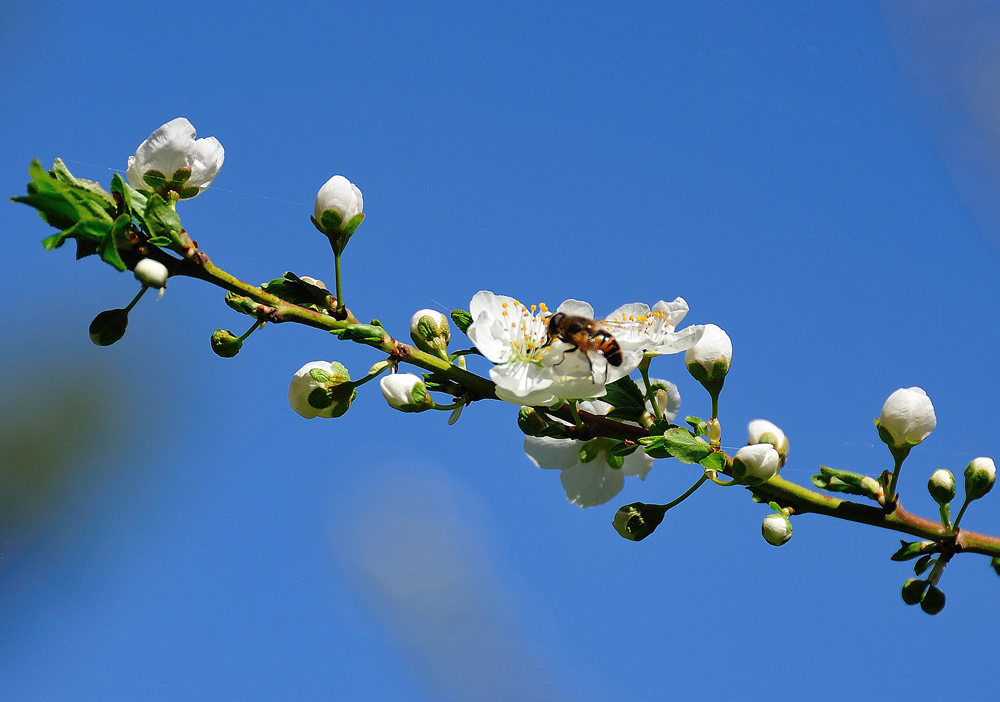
(589, 475)
(907, 417)
(653, 331)
(170, 149)
(530, 369)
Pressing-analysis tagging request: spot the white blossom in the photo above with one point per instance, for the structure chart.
(756, 464)
(636, 326)
(595, 481)
(341, 195)
(172, 147)
(151, 273)
(713, 346)
(668, 398)
(406, 392)
(907, 417)
(763, 431)
(776, 529)
(531, 370)
(305, 382)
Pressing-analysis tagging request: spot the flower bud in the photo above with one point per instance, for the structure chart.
(430, 332)
(108, 327)
(711, 357)
(151, 273)
(171, 159)
(776, 529)
(339, 209)
(907, 418)
(762, 431)
(941, 486)
(714, 431)
(979, 478)
(406, 392)
(321, 389)
(638, 520)
(755, 464)
(933, 600)
(225, 343)
(913, 591)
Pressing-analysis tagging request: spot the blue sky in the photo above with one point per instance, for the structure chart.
(815, 179)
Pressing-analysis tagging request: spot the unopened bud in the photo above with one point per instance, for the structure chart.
(776, 529)
(338, 210)
(941, 486)
(225, 343)
(907, 418)
(933, 600)
(979, 478)
(108, 327)
(756, 464)
(430, 332)
(711, 357)
(714, 429)
(406, 392)
(762, 431)
(321, 389)
(151, 273)
(638, 520)
(913, 591)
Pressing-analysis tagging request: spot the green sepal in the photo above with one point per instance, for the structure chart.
(714, 461)
(590, 449)
(320, 376)
(685, 446)
(614, 461)
(626, 397)
(913, 591)
(620, 448)
(638, 520)
(933, 600)
(156, 180)
(330, 222)
(462, 320)
(697, 372)
(352, 224)
(698, 425)
(775, 507)
(320, 398)
(922, 564)
(181, 176)
(913, 549)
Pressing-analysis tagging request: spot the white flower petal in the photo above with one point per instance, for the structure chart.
(637, 463)
(591, 484)
(577, 307)
(555, 454)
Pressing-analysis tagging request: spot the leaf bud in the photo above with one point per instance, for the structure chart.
(225, 343)
(151, 273)
(430, 332)
(755, 464)
(776, 529)
(913, 591)
(338, 210)
(933, 600)
(979, 478)
(907, 418)
(321, 389)
(713, 430)
(711, 357)
(406, 392)
(108, 327)
(941, 486)
(762, 431)
(638, 520)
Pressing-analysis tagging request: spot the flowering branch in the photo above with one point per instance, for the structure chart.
(570, 375)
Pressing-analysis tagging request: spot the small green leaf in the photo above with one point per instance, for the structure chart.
(715, 460)
(320, 376)
(624, 393)
(625, 414)
(621, 448)
(163, 221)
(462, 319)
(698, 425)
(684, 446)
(912, 549)
(654, 447)
(922, 564)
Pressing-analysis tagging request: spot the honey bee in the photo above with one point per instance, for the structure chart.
(587, 335)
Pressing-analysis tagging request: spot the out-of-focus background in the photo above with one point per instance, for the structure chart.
(820, 180)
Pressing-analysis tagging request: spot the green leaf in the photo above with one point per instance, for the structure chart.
(163, 222)
(922, 564)
(715, 460)
(621, 448)
(625, 414)
(133, 201)
(109, 250)
(320, 376)
(913, 549)
(462, 320)
(698, 425)
(63, 202)
(293, 289)
(624, 393)
(654, 446)
(684, 446)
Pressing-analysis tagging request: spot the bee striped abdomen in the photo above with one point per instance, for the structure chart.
(608, 345)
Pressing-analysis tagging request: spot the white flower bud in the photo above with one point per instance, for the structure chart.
(170, 149)
(341, 196)
(762, 431)
(776, 529)
(711, 357)
(405, 392)
(430, 332)
(321, 389)
(151, 273)
(979, 477)
(907, 418)
(941, 486)
(755, 464)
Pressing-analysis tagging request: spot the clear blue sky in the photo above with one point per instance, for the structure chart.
(807, 177)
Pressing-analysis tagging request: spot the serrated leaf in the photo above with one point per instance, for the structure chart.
(715, 461)
(684, 446)
(624, 393)
(654, 447)
(63, 204)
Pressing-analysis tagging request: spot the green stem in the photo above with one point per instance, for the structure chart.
(898, 456)
(138, 296)
(251, 330)
(650, 392)
(945, 511)
(715, 405)
(690, 491)
(340, 292)
(453, 405)
(576, 415)
(961, 513)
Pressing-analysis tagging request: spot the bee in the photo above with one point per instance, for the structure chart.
(587, 335)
